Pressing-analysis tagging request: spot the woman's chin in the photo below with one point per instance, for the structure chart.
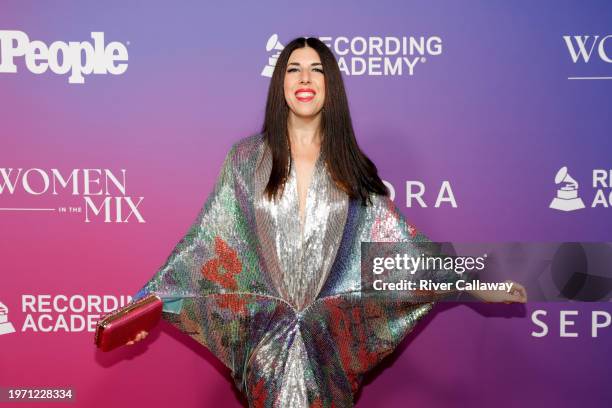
(306, 114)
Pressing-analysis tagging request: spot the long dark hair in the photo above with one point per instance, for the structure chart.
(349, 167)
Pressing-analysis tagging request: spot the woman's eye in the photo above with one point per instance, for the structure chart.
(314, 69)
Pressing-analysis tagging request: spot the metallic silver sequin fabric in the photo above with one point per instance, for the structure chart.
(282, 306)
(304, 253)
(303, 258)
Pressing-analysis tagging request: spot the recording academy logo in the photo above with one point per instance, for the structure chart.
(6, 327)
(76, 58)
(47, 313)
(567, 198)
(587, 49)
(370, 56)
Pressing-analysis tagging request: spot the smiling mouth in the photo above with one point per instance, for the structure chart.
(304, 95)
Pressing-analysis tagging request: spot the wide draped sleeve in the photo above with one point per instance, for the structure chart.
(399, 235)
(212, 283)
(352, 328)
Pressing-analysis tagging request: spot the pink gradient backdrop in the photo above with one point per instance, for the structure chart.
(494, 114)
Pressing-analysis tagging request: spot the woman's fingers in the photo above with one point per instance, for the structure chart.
(141, 335)
(518, 293)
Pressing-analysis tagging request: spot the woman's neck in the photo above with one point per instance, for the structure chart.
(304, 132)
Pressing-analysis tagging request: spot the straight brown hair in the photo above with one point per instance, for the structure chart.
(349, 167)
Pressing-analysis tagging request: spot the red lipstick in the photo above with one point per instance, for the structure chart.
(305, 94)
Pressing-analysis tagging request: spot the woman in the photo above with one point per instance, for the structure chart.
(268, 277)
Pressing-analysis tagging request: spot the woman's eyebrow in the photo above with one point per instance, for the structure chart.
(298, 64)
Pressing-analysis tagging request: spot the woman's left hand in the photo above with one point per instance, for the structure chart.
(517, 294)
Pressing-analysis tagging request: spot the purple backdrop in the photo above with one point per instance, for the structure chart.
(497, 113)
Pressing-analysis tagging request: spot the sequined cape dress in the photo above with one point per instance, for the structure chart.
(282, 305)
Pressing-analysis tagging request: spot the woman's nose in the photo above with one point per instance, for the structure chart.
(305, 77)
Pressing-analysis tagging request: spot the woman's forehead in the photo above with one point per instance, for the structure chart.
(306, 56)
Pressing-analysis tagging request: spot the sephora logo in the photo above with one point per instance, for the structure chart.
(416, 194)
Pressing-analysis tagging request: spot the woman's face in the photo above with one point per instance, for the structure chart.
(304, 83)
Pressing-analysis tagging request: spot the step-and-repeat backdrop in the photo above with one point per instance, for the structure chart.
(489, 120)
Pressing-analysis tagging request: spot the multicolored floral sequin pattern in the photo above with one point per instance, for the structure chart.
(308, 348)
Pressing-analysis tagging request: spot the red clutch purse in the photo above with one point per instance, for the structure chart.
(122, 325)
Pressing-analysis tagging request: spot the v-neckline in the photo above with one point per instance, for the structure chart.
(302, 223)
(278, 221)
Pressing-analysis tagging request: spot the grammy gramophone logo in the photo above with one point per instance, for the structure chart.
(273, 45)
(6, 327)
(567, 195)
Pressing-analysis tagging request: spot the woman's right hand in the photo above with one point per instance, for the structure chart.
(141, 335)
